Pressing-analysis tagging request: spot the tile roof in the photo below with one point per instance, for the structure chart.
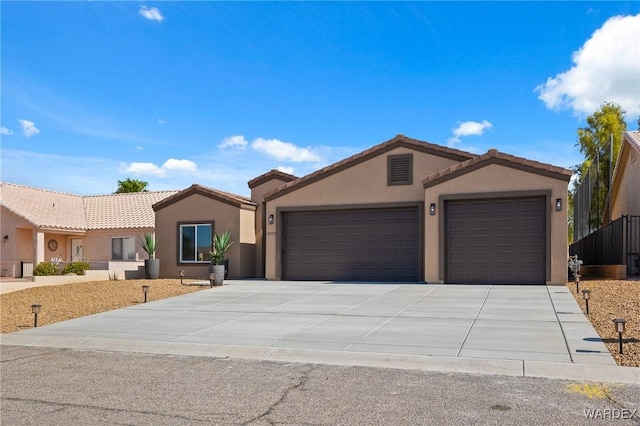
(44, 208)
(633, 138)
(396, 142)
(493, 156)
(56, 210)
(130, 210)
(271, 174)
(226, 197)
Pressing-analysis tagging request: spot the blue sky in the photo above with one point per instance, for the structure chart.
(216, 93)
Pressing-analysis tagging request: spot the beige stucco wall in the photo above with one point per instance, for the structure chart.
(364, 183)
(495, 179)
(198, 208)
(97, 243)
(18, 246)
(257, 196)
(626, 196)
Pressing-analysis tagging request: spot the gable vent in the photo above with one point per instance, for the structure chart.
(400, 169)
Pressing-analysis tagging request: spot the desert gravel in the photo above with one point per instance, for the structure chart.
(609, 299)
(68, 301)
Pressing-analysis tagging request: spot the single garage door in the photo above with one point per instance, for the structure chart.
(353, 245)
(498, 241)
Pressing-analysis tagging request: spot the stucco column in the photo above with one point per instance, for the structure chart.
(38, 249)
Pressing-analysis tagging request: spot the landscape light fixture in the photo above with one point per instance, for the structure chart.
(619, 323)
(586, 294)
(145, 290)
(558, 204)
(432, 209)
(35, 310)
(181, 275)
(212, 277)
(577, 283)
(270, 219)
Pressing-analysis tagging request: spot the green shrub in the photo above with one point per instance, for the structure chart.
(77, 268)
(44, 269)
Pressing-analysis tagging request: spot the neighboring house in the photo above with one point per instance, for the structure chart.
(625, 183)
(402, 211)
(407, 210)
(38, 225)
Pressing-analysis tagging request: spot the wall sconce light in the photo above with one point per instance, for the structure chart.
(270, 220)
(35, 310)
(432, 209)
(5, 238)
(558, 204)
(145, 290)
(586, 294)
(619, 323)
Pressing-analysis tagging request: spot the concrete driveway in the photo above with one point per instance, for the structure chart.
(512, 330)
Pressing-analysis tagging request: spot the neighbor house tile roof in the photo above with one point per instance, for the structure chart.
(130, 210)
(397, 142)
(55, 210)
(493, 156)
(44, 208)
(634, 139)
(226, 197)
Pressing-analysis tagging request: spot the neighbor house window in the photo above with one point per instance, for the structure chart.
(123, 248)
(195, 242)
(400, 169)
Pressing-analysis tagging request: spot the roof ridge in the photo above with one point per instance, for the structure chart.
(51, 191)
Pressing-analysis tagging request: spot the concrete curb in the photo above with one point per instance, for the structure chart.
(516, 368)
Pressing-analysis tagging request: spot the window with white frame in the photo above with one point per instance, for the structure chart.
(195, 242)
(123, 248)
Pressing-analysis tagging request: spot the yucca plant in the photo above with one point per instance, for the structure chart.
(221, 245)
(148, 243)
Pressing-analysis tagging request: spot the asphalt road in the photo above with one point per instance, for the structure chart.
(47, 386)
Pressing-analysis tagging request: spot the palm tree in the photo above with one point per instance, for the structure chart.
(131, 185)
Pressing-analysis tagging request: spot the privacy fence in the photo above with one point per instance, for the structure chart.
(617, 243)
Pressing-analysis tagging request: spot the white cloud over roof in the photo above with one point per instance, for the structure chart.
(234, 142)
(284, 151)
(606, 69)
(151, 13)
(468, 128)
(28, 128)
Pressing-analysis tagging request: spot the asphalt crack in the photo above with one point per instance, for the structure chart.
(302, 380)
(65, 405)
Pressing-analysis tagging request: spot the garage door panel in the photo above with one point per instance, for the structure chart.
(503, 242)
(363, 244)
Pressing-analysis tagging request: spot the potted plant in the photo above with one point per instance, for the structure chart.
(151, 265)
(221, 245)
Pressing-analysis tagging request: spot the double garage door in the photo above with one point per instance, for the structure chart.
(356, 245)
(500, 241)
(495, 241)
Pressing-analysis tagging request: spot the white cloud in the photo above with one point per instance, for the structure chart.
(28, 128)
(151, 13)
(143, 169)
(150, 169)
(237, 142)
(284, 150)
(5, 131)
(139, 148)
(162, 121)
(285, 169)
(606, 69)
(468, 128)
(180, 165)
